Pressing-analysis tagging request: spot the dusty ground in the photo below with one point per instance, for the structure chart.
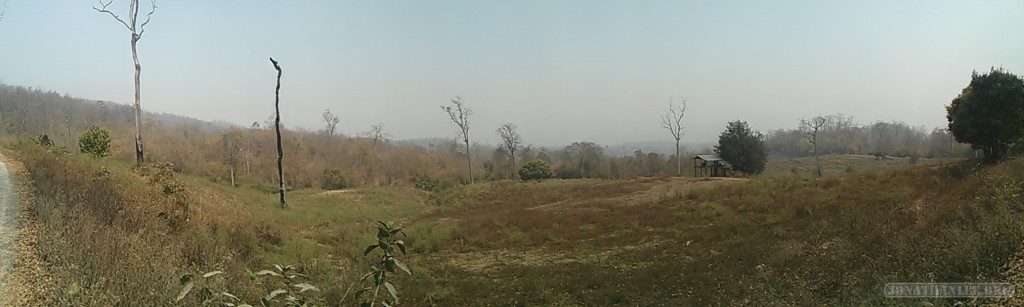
(489, 261)
(23, 281)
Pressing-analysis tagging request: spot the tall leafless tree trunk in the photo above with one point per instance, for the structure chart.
(459, 115)
(277, 128)
(811, 128)
(512, 140)
(672, 121)
(377, 135)
(332, 122)
(136, 34)
(67, 122)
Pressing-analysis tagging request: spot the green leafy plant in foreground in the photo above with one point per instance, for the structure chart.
(290, 293)
(387, 243)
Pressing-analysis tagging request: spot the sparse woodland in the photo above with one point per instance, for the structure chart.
(196, 147)
(207, 200)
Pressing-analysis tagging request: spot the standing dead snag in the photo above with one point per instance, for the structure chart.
(332, 122)
(511, 139)
(811, 128)
(136, 31)
(459, 115)
(277, 128)
(672, 121)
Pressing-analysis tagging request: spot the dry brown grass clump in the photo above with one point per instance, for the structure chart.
(29, 282)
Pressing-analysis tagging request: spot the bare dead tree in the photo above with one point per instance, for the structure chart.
(277, 128)
(377, 135)
(512, 140)
(231, 143)
(811, 128)
(459, 115)
(332, 122)
(672, 121)
(136, 30)
(67, 123)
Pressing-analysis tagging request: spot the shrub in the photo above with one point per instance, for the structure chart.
(535, 170)
(44, 140)
(334, 180)
(95, 141)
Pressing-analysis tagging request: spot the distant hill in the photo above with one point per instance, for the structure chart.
(425, 142)
(665, 148)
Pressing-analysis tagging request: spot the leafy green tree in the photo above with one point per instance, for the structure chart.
(535, 170)
(989, 113)
(95, 141)
(742, 147)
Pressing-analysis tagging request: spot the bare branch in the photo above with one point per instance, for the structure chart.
(103, 9)
(142, 27)
(459, 115)
(811, 127)
(672, 120)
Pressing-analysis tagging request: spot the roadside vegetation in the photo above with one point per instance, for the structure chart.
(116, 234)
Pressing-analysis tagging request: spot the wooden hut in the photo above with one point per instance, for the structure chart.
(710, 165)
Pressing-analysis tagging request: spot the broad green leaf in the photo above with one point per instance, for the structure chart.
(303, 287)
(396, 230)
(212, 273)
(401, 245)
(232, 296)
(382, 224)
(392, 290)
(402, 266)
(389, 264)
(184, 292)
(369, 249)
(365, 276)
(275, 293)
(382, 233)
(267, 272)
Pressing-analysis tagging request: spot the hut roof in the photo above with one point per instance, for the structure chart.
(708, 157)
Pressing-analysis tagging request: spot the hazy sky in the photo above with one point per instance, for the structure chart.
(562, 71)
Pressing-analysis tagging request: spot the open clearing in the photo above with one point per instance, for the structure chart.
(777, 239)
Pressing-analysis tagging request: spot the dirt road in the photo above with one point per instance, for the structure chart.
(9, 210)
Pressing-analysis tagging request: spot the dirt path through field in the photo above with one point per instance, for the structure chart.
(9, 209)
(24, 280)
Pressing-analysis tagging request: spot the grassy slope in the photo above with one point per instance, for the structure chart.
(772, 240)
(779, 239)
(841, 165)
